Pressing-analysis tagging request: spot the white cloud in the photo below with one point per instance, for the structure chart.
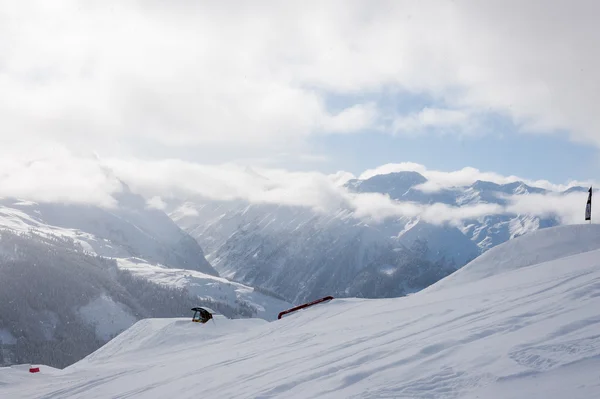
(116, 74)
(378, 207)
(352, 119)
(439, 119)
(46, 173)
(156, 203)
(569, 208)
(140, 72)
(324, 193)
(179, 179)
(187, 209)
(341, 177)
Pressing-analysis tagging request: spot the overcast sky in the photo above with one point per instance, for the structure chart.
(505, 87)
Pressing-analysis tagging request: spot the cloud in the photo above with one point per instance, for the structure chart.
(568, 208)
(161, 181)
(179, 179)
(171, 74)
(352, 119)
(283, 158)
(157, 203)
(119, 75)
(341, 177)
(52, 173)
(186, 209)
(438, 119)
(325, 193)
(377, 208)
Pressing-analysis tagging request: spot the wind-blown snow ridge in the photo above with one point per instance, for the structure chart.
(529, 331)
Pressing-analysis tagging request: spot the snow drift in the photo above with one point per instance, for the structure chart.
(510, 327)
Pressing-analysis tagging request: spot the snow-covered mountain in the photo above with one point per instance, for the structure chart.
(73, 276)
(486, 231)
(521, 321)
(130, 229)
(303, 254)
(444, 244)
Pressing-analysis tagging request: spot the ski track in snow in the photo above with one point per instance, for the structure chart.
(531, 331)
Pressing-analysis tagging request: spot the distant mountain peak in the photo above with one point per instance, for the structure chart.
(404, 176)
(485, 185)
(395, 184)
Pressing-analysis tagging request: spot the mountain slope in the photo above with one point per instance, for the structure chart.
(131, 229)
(303, 255)
(520, 332)
(437, 243)
(58, 303)
(73, 276)
(143, 241)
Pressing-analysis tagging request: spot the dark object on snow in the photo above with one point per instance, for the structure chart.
(201, 315)
(324, 299)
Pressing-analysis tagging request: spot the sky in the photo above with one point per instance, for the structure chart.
(312, 88)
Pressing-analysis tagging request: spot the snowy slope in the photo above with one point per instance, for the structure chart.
(527, 330)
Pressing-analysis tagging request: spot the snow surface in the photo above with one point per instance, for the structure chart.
(517, 329)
